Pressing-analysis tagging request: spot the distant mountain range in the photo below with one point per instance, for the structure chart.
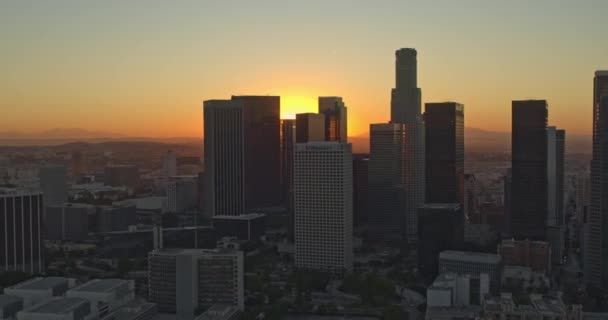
(476, 140)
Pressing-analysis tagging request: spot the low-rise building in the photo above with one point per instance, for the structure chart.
(245, 227)
(453, 290)
(58, 309)
(136, 310)
(220, 312)
(9, 306)
(533, 254)
(464, 262)
(36, 290)
(105, 295)
(536, 306)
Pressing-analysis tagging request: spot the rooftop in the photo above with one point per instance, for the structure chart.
(601, 73)
(133, 310)
(442, 206)
(467, 256)
(100, 285)
(58, 306)
(6, 300)
(194, 252)
(218, 312)
(40, 283)
(247, 216)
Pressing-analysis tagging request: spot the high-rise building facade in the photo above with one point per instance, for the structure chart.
(555, 191)
(183, 280)
(242, 154)
(405, 109)
(21, 232)
(54, 184)
(529, 170)
(170, 164)
(440, 227)
(444, 148)
(323, 206)
(360, 190)
(262, 119)
(310, 127)
(224, 157)
(122, 175)
(334, 110)
(288, 141)
(596, 248)
(387, 181)
(182, 193)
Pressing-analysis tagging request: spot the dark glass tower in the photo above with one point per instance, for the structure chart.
(334, 110)
(596, 258)
(529, 170)
(444, 123)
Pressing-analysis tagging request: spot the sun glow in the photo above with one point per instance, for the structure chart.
(294, 104)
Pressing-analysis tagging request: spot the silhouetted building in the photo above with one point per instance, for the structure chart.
(244, 227)
(555, 192)
(54, 184)
(360, 190)
(22, 247)
(596, 257)
(387, 181)
(507, 181)
(440, 228)
(529, 169)
(405, 109)
(334, 110)
(242, 154)
(323, 206)
(112, 218)
(78, 163)
(310, 127)
(471, 200)
(182, 193)
(121, 175)
(288, 141)
(444, 123)
(68, 222)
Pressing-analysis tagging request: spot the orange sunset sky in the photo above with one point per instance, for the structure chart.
(143, 68)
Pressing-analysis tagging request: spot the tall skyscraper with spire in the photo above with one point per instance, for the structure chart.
(406, 110)
(596, 248)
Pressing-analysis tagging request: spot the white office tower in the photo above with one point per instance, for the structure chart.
(54, 184)
(323, 206)
(170, 164)
(106, 296)
(181, 281)
(406, 109)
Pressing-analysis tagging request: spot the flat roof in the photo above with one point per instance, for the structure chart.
(40, 283)
(99, 285)
(58, 306)
(247, 216)
(601, 73)
(467, 256)
(201, 252)
(451, 206)
(6, 300)
(132, 310)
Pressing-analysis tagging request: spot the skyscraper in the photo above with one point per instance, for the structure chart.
(360, 190)
(323, 206)
(387, 180)
(288, 140)
(405, 109)
(22, 244)
(335, 118)
(242, 154)
(310, 127)
(596, 257)
(262, 145)
(54, 184)
(444, 123)
(555, 191)
(405, 98)
(529, 170)
(224, 157)
(170, 164)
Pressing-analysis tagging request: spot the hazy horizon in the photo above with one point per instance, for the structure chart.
(144, 69)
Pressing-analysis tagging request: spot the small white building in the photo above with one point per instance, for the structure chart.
(454, 290)
(105, 295)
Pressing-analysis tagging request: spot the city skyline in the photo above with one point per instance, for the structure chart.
(103, 67)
